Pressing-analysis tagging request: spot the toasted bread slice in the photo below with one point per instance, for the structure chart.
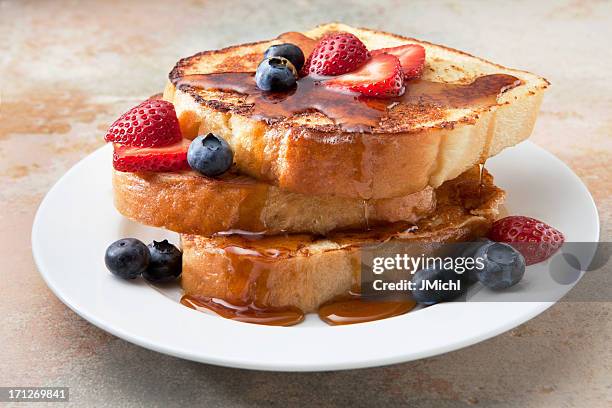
(189, 203)
(305, 271)
(415, 145)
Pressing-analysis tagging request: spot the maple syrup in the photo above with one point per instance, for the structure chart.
(351, 112)
(345, 310)
(353, 309)
(251, 258)
(481, 169)
(249, 313)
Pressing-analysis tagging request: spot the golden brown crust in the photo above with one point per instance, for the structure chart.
(192, 204)
(305, 271)
(310, 154)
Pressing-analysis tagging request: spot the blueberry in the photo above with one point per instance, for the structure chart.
(210, 155)
(469, 251)
(504, 266)
(166, 262)
(431, 295)
(127, 258)
(290, 51)
(275, 74)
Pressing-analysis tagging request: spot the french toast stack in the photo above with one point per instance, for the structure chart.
(284, 227)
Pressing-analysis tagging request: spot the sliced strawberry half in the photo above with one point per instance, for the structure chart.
(153, 123)
(167, 158)
(380, 77)
(411, 56)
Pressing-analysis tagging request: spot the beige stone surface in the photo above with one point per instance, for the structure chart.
(67, 68)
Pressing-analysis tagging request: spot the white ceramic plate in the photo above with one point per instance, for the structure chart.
(77, 221)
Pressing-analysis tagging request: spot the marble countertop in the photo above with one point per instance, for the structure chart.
(68, 68)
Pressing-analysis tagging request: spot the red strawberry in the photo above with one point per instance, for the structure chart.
(532, 238)
(153, 123)
(380, 77)
(336, 54)
(167, 158)
(411, 56)
(306, 68)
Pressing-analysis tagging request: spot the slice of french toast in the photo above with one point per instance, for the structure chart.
(305, 270)
(419, 141)
(187, 202)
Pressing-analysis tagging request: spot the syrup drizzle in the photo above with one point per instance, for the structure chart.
(249, 313)
(353, 113)
(353, 309)
(350, 309)
(251, 257)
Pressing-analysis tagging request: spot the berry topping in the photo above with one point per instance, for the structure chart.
(127, 258)
(292, 52)
(469, 251)
(167, 158)
(504, 266)
(153, 123)
(380, 77)
(275, 74)
(210, 155)
(337, 54)
(534, 239)
(411, 57)
(306, 68)
(165, 264)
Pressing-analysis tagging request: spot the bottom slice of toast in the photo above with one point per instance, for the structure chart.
(305, 271)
